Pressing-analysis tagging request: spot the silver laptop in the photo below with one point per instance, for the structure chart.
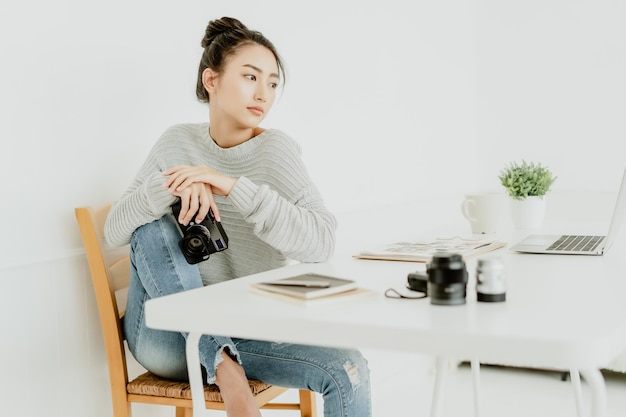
(578, 244)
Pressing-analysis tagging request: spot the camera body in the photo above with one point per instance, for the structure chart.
(417, 281)
(447, 279)
(200, 240)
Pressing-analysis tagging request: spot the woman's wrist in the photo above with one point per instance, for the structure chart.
(224, 185)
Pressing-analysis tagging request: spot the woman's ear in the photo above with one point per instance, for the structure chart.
(209, 78)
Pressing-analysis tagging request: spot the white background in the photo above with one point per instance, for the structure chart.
(390, 100)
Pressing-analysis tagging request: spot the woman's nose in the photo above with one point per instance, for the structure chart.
(260, 94)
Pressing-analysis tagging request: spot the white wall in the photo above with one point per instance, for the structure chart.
(551, 88)
(390, 102)
(378, 97)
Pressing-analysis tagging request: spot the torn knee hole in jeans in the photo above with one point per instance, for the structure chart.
(353, 374)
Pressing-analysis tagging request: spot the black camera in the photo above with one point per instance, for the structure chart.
(447, 279)
(417, 281)
(200, 240)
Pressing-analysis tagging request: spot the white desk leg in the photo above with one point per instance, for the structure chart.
(578, 391)
(476, 378)
(594, 378)
(440, 376)
(195, 374)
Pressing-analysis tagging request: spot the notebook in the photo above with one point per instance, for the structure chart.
(572, 244)
(308, 286)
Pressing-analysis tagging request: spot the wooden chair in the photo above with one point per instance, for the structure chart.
(110, 272)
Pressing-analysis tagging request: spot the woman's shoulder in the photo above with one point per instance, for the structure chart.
(281, 140)
(183, 134)
(178, 144)
(186, 131)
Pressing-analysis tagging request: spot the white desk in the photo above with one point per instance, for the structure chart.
(562, 312)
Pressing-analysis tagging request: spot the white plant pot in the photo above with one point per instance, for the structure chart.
(528, 214)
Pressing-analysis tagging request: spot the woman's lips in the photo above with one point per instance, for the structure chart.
(256, 110)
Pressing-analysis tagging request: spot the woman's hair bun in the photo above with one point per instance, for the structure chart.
(220, 26)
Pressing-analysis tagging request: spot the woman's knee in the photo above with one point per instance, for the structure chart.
(346, 384)
(163, 229)
(163, 355)
(354, 367)
(157, 261)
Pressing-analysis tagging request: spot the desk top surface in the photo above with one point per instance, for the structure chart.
(561, 311)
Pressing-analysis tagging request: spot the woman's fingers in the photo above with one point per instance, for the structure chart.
(204, 202)
(188, 205)
(196, 201)
(176, 176)
(213, 204)
(181, 177)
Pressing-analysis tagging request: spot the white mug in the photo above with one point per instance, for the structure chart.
(484, 211)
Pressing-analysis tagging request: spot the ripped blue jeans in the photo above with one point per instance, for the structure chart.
(158, 268)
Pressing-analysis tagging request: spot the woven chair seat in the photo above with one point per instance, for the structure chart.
(150, 384)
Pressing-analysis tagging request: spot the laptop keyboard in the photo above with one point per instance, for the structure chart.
(576, 243)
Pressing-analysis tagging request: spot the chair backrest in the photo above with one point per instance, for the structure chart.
(110, 273)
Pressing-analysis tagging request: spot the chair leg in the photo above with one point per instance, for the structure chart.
(308, 407)
(121, 408)
(184, 412)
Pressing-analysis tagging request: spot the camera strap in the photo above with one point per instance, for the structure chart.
(410, 295)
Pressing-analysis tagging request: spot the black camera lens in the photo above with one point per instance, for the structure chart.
(447, 279)
(195, 244)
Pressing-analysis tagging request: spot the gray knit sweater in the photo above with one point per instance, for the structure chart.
(273, 213)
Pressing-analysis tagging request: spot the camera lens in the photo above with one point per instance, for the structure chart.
(195, 243)
(490, 281)
(447, 279)
(193, 246)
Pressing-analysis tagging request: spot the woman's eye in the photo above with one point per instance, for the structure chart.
(251, 77)
(274, 85)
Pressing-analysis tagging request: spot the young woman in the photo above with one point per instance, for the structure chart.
(256, 184)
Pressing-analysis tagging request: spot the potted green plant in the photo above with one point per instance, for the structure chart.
(527, 183)
(526, 180)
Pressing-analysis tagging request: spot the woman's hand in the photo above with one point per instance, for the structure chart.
(183, 176)
(196, 185)
(196, 199)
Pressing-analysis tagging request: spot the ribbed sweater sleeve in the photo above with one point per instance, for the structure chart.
(273, 213)
(304, 231)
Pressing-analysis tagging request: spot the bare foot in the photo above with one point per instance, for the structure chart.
(235, 390)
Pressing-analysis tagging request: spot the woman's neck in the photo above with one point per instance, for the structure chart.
(227, 138)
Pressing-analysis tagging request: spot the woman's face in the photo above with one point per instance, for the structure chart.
(244, 93)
